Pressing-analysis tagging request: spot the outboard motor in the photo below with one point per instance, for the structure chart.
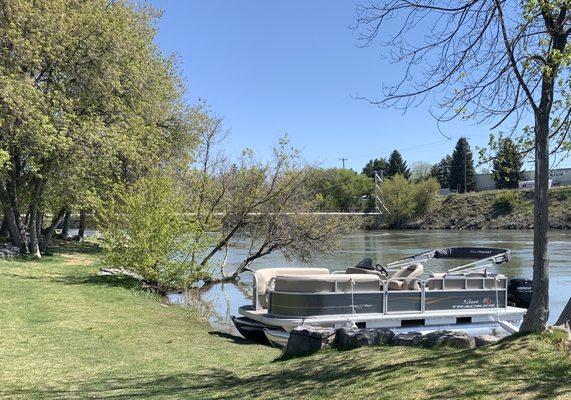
(519, 292)
(365, 263)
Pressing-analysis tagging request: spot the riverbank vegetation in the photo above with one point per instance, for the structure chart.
(69, 333)
(505, 209)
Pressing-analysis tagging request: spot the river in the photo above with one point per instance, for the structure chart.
(386, 246)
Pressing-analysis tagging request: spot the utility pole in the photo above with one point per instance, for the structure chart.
(465, 167)
(343, 161)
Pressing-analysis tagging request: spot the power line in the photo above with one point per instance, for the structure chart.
(343, 161)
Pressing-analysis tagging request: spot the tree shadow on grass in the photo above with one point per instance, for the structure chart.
(123, 281)
(467, 374)
(232, 338)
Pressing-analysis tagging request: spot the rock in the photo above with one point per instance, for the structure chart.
(459, 340)
(347, 338)
(305, 340)
(484, 340)
(407, 339)
(9, 251)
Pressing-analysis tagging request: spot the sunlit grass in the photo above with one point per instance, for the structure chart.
(67, 333)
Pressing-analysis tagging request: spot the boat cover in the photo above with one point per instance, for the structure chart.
(500, 255)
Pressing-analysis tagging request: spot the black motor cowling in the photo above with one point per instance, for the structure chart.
(366, 263)
(519, 292)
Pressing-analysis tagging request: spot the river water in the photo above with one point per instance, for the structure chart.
(222, 301)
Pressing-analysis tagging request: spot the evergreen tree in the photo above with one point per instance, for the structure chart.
(462, 167)
(507, 165)
(378, 164)
(397, 165)
(441, 171)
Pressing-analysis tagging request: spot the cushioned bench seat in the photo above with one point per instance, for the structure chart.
(264, 275)
(327, 283)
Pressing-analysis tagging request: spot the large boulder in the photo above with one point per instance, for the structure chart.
(347, 338)
(305, 340)
(459, 340)
(407, 339)
(484, 340)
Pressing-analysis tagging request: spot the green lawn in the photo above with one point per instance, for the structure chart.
(67, 333)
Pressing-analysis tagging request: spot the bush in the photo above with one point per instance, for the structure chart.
(147, 231)
(405, 200)
(506, 201)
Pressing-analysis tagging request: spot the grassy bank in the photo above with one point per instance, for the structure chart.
(483, 210)
(67, 333)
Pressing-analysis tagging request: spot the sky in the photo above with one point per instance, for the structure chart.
(270, 68)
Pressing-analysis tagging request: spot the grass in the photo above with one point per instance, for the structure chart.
(67, 333)
(506, 209)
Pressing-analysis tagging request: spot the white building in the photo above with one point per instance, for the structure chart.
(558, 177)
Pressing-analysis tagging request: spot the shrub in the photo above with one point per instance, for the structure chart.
(405, 200)
(147, 231)
(506, 201)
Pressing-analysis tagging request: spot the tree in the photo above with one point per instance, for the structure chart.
(420, 171)
(376, 165)
(88, 106)
(341, 190)
(404, 199)
(441, 171)
(270, 205)
(462, 168)
(147, 232)
(495, 62)
(397, 165)
(507, 164)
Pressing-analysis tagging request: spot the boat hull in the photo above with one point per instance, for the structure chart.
(253, 330)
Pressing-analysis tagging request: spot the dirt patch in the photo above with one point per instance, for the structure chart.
(76, 259)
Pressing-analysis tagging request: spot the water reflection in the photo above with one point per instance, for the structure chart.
(219, 302)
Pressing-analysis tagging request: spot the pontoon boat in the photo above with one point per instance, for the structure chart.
(467, 297)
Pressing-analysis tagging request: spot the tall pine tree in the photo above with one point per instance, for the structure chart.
(397, 165)
(507, 165)
(378, 164)
(441, 171)
(462, 167)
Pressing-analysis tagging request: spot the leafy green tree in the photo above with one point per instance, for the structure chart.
(462, 168)
(148, 231)
(378, 164)
(397, 165)
(507, 164)
(441, 171)
(88, 106)
(342, 190)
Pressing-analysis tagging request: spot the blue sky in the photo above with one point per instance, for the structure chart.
(270, 68)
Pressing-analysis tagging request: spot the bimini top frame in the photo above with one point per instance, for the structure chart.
(484, 257)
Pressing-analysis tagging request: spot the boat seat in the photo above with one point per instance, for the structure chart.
(264, 275)
(353, 270)
(409, 278)
(327, 283)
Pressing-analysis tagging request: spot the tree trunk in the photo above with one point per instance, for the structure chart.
(81, 231)
(50, 230)
(10, 217)
(4, 229)
(33, 214)
(538, 312)
(565, 317)
(65, 224)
